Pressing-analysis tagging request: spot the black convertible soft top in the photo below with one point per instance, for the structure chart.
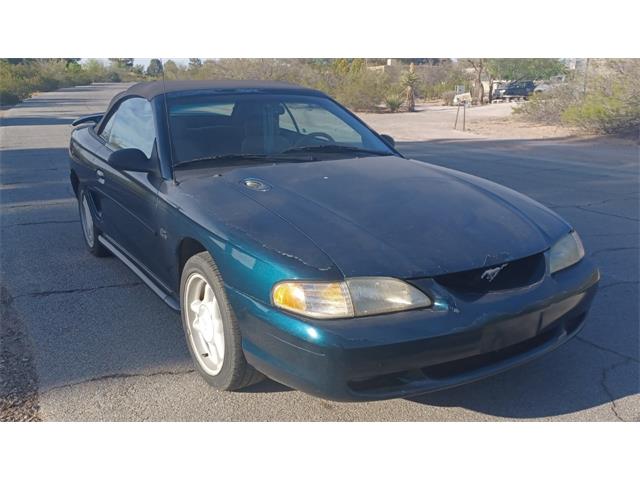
(149, 90)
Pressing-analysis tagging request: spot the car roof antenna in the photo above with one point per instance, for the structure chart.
(166, 111)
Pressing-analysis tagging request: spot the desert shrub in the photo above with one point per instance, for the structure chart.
(394, 101)
(608, 102)
(96, 71)
(113, 77)
(438, 80)
(548, 107)
(447, 97)
(347, 80)
(350, 81)
(611, 114)
(361, 91)
(21, 78)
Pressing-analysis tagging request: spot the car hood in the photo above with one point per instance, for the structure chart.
(391, 216)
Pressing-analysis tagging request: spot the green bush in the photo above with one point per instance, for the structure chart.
(20, 78)
(438, 80)
(361, 91)
(347, 80)
(394, 101)
(600, 113)
(114, 77)
(608, 103)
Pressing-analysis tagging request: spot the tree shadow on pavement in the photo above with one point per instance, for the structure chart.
(575, 377)
(33, 121)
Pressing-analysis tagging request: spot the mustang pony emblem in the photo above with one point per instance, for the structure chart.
(492, 273)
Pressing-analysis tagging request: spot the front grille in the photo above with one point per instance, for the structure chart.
(503, 276)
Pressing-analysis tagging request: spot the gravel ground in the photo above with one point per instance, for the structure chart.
(18, 381)
(82, 339)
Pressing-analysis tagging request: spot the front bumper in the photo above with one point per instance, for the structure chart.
(409, 353)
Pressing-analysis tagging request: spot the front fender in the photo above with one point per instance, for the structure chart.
(252, 247)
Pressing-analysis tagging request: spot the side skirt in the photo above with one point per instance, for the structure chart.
(149, 282)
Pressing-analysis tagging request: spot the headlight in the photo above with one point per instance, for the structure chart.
(567, 251)
(355, 297)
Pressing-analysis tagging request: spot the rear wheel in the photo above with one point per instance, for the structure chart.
(210, 327)
(89, 230)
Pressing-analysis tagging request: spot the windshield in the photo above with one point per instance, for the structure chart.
(255, 125)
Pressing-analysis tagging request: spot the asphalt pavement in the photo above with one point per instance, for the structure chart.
(83, 339)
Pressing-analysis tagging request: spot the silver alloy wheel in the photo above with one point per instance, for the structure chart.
(87, 221)
(204, 323)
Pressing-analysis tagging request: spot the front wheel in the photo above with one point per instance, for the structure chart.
(210, 327)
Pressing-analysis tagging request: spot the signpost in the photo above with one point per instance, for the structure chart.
(464, 116)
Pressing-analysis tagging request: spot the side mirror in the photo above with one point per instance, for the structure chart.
(130, 159)
(389, 140)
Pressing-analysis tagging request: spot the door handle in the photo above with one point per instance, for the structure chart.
(100, 175)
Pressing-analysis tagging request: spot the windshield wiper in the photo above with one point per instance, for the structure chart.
(333, 148)
(226, 156)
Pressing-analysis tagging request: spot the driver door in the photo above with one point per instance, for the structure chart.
(130, 197)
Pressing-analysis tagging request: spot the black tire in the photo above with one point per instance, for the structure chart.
(235, 373)
(90, 239)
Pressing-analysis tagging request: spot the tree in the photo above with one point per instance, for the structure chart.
(346, 66)
(155, 68)
(171, 69)
(195, 63)
(478, 65)
(126, 63)
(517, 69)
(138, 70)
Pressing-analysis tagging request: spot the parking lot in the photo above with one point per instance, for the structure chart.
(84, 339)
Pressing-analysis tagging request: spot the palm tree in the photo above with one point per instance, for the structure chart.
(410, 82)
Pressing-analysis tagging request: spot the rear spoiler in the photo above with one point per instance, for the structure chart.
(95, 118)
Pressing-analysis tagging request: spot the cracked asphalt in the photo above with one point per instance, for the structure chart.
(82, 339)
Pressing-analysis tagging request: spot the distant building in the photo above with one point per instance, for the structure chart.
(575, 63)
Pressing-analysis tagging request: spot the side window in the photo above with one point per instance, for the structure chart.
(131, 126)
(316, 119)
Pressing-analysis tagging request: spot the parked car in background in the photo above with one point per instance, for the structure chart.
(550, 84)
(514, 91)
(299, 244)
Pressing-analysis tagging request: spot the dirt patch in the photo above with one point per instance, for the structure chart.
(18, 380)
(434, 122)
(512, 128)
